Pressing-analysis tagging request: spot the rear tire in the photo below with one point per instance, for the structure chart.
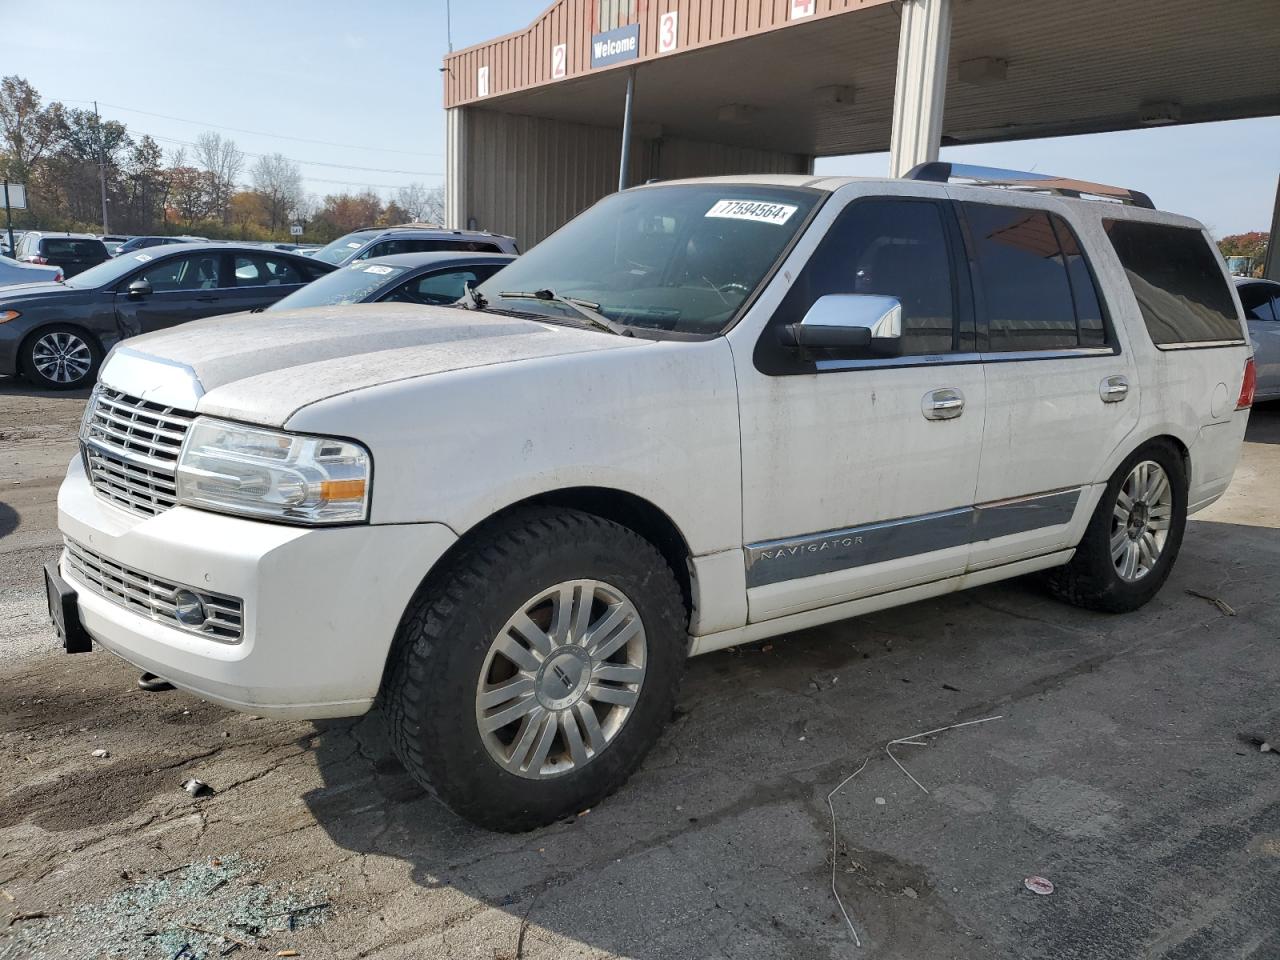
(1131, 542)
(61, 357)
(587, 690)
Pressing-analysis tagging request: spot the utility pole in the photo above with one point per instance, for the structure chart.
(448, 25)
(102, 168)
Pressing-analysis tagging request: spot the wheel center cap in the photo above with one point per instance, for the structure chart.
(1138, 519)
(563, 678)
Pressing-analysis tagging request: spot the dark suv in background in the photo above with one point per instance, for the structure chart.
(73, 252)
(369, 242)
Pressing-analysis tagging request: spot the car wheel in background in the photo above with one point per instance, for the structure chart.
(1132, 541)
(60, 358)
(531, 677)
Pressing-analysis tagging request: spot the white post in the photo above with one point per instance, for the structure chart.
(455, 168)
(924, 47)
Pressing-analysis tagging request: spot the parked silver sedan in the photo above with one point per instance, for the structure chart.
(1261, 302)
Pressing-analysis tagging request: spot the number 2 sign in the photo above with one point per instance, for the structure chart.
(668, 32)
(559, 54)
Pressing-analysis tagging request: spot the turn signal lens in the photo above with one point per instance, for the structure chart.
(1248, 385)
(7, 315)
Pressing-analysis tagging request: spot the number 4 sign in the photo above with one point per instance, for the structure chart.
(668, 32)
(801, 8)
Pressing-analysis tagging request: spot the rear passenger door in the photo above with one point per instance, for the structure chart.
(1061, 393)
(259, 280)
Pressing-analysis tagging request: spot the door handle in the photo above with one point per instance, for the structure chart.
(1114, 389)
(944, 404)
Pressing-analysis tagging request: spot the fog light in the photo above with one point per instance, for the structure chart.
(188, 609)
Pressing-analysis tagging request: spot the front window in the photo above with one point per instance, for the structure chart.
(680, 258)
(351, 284)
(342, 248)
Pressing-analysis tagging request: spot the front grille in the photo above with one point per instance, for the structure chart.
(151, 596)
(131, 450)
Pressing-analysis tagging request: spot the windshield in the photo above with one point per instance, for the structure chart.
(344, 247)
(680, 258)
(351, 284)
(108, 272)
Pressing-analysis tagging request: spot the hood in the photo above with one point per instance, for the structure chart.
(264, 367)
(36, 292)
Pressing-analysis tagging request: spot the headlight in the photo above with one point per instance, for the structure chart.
(7, 315)
(276, 476)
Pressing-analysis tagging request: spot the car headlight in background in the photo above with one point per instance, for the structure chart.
(7, 315)
(272, 475)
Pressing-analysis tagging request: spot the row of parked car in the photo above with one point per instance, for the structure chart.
(56, 326)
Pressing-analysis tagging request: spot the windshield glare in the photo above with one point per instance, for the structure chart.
(343, 247)
(351, 284)
(679, 258)
(108, 272)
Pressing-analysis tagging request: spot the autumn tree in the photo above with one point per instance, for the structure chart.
(279, 181)
(28, 129)
(219, 157)
(421, 203)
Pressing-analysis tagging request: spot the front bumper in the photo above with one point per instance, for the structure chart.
(321, 606)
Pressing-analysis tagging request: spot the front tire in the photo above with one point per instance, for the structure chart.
(531, 676)
(61, 358)
(1131, 542)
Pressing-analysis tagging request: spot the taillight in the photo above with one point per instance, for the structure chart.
(36, 259)
(58, 277)
(1248, 385)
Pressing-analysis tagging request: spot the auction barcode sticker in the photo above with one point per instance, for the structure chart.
(757, 210)
(382, 271)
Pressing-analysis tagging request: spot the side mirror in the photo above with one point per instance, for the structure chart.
(851, 322)
(139, 289)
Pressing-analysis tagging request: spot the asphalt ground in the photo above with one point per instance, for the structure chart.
(1117, 770)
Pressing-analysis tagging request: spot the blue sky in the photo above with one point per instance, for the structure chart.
(368, 73)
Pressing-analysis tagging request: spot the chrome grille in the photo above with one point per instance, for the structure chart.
(131, 450)
(152, 596)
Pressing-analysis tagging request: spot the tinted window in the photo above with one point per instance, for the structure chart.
(1025, 285)
(889, 246)
(65, 247)
(183, 273)
(1177, 281)
(265, 271)
(1256, 300)
(1084, 288)
(388, 248)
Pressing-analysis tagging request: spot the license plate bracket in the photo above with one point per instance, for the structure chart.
(64, 611)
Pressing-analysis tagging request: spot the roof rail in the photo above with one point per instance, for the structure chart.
(943, 172)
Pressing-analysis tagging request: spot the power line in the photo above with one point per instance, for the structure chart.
(259, 133)
(308, 163)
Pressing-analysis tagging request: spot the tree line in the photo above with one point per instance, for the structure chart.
(209, 189)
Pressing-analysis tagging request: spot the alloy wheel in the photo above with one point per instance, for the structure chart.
(1140, 520)
(61, 357)
(561, 679)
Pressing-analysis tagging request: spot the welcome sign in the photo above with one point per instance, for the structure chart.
(614, 46)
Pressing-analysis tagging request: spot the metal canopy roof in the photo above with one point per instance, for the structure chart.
(1070, 67)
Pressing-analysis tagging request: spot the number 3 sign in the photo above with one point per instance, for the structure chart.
(668, 35)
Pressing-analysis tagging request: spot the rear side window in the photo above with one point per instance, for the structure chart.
(256, 271)
(1038, 291)
(1180, 288)
(1257, 301)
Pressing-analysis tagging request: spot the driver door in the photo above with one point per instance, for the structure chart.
(859, 472)
(183, 288)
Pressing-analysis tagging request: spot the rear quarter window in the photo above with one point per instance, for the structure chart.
(1180, 288)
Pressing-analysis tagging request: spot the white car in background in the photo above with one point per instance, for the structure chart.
(703, 413)
(13, 272)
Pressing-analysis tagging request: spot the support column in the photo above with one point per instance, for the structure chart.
(624, 162)
(924, 48)
(1271, 265)
(456, 173)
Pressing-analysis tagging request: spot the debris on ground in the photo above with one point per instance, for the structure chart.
(1038, 885)
(201, 911)
(197, 788)
(101, 754)
(1266, 743)
(1216, 601)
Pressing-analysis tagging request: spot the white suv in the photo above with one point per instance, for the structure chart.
(703, 413)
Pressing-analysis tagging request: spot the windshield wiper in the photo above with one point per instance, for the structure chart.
(584, 308)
